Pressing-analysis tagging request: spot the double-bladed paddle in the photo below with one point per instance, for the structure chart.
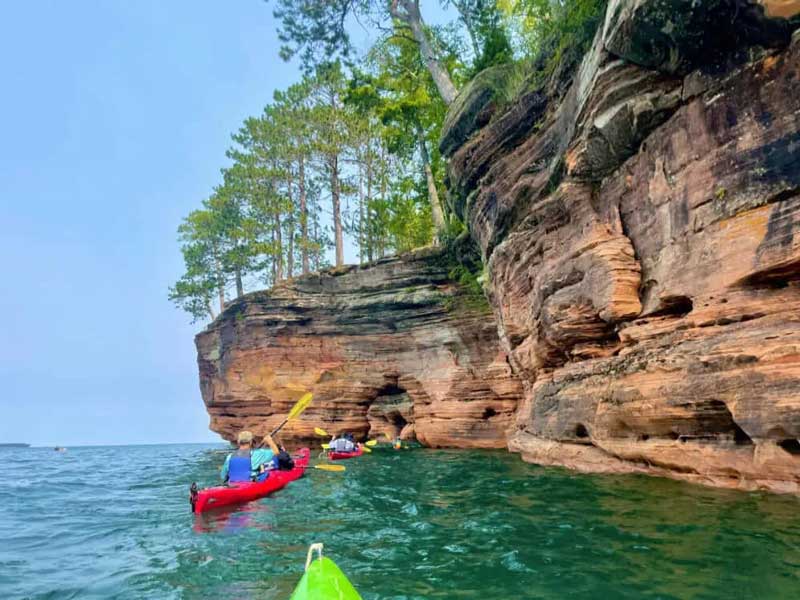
(298, 408)
(332, 468)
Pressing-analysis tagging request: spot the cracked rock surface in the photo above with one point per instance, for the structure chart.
(642, 236)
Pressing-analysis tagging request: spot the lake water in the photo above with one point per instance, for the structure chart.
(115, 522)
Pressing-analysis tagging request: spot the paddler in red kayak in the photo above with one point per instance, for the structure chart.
(247, 462)
(343, 443)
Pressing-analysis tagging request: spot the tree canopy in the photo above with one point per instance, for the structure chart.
(350, 151)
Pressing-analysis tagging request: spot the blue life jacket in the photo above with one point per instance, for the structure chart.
(240, 467)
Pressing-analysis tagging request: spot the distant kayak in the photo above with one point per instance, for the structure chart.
(335, 455)
(236, 493)
(323, 580)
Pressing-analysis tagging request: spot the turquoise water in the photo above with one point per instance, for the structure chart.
(114, 522)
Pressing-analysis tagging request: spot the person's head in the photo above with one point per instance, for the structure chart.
(245, 439)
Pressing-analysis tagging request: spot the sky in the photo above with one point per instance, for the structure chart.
(114, 120)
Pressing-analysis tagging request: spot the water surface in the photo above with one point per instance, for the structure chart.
(114, 522)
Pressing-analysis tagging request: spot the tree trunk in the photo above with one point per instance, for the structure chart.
(239, 286)
(210, 310)
(290, 227)
(361, 212)
(317, 243)
(433, 195)
(367, 224)
(412, 17)
(274, 260)
(278, 248)
(303, 214)
(337, 217)
(463, 11)
(220, 286)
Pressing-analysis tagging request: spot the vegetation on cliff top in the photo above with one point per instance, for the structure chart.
(351, 150)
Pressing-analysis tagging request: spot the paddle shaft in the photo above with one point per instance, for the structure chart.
(279, 427)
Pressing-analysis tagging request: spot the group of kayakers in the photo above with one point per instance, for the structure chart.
(254, 464)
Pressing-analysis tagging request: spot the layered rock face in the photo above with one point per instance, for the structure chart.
(395, 348)
(640, 221)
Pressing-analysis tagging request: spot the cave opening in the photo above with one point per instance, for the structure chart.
(674, 306)
(581, 431)
(740, 438)
(488, 413)
(398, 421)
(390, 411)
(390, 389)
(791, 445)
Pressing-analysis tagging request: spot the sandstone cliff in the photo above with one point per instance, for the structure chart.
(640, 222)
(393, 348)
(638, 214)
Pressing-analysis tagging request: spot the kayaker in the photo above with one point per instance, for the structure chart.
(343, 444)
(283, 461)
(246, 462)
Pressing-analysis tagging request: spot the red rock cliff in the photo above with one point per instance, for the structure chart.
(640, 221)
(393, 348)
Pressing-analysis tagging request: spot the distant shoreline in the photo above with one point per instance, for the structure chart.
(48, 446)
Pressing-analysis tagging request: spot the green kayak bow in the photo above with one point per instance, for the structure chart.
(323, 580)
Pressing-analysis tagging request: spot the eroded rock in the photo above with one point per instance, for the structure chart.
(391, 349)
(643, 248)
(676, 36)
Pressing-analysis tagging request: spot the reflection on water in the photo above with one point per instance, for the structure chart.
(402, 525)
(231, 519)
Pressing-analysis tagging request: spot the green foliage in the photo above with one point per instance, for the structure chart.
(515, 83)
(490, 38)
(317, 30)
(461, 257)
(549, 33)
(471, 295)
(353, 150)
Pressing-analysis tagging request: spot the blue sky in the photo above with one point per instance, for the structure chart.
(115, 116)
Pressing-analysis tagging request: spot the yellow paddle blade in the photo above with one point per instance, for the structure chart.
(326, 446)
(320, 431)
(372, 443)
(301, 405)
(332, 468)
(365, 449)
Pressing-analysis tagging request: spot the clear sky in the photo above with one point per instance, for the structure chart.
(114, 116)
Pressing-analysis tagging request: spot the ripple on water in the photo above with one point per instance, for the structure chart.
(402, 525)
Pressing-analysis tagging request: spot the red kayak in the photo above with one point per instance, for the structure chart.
(333, 455)
(236, 493)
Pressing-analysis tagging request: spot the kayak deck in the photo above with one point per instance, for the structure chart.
(236, 493)
(323, 580)
(334, 455)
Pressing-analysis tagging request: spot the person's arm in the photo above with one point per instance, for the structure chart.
(272, 445)
(223, 473)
